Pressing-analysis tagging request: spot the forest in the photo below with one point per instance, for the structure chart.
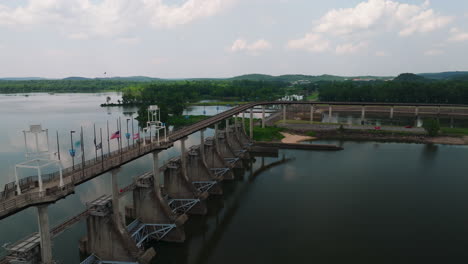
(173, 97)
(445, 92)
(64, 86)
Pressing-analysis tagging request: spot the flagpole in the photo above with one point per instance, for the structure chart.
(133, 134)
(139, 139)
(58, 146)
(102, 151)
(82, 152)
(95, 143)
(120, 137)
(108, 139)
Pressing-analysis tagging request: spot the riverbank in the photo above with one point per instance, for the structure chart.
(295, 133)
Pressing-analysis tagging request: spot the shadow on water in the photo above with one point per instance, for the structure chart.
(204, 232)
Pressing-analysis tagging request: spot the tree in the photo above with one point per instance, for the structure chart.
(432, 126)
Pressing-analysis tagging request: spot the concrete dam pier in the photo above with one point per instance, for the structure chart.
(163, 199)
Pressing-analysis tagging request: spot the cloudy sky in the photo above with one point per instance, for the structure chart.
(223, 38)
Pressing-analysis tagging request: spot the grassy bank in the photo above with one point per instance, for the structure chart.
(268, 134)
(454, 131)
(313, 97)
(223, 103)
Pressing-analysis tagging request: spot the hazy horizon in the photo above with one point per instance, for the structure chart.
(225, 38)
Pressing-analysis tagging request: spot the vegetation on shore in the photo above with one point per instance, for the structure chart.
(219, 103)
(454, 131)
(442, 92)
(269, 133)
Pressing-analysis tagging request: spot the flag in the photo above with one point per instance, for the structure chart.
(77, 144)
(127, 135)
(136, 136)
(115, 135)
(99, 146)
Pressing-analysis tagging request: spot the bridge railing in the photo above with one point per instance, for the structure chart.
(81, 171)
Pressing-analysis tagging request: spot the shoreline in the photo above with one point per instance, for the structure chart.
(298, 136)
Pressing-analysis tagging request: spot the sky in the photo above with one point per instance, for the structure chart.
(225, 38)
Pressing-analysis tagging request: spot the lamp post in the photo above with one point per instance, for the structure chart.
(72, 151)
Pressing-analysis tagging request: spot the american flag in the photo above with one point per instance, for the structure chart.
(115, 135)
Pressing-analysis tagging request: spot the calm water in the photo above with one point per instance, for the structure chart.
(371, 203)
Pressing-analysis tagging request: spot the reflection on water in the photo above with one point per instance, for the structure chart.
(372, 202)
(384, 203)
(380, 120)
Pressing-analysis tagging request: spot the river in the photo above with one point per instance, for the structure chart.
(371, 203)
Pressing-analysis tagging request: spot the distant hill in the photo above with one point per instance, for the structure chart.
(445, 75)
(133, 78)
(73, 78)
(410, 77)
(307, 78)
(22, 79)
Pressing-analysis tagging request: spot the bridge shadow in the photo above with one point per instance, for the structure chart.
(205, 232)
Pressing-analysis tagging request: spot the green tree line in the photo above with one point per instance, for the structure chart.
(446, 92)
(64, 86)
(173, 97)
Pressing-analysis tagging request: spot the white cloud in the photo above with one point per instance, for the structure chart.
(350, 48)
(173, 15)
(159, 61)
(310, 42)
(129, 41)
(253, 48)
(381, 54)
(107, 17)
(377, 15)
(356, 26)
(78, 36)
(433, 52)
(458, 35)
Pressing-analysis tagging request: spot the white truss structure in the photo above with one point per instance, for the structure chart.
(39, 159)
(204, 186)
(142, 233)
(181, 206)
(154, 122)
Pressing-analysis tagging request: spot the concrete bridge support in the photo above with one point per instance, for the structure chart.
(243, 121)
(284, 114)
(312, 113)
(263, 116)
(179, 189)
(202, 177)
(115, 200)
(416, 111)
(252, 123)
(233, 140)
(105, 239)
(330, 113)
(226, 149)
(150, 207)
(242, 138)
(44, 233)
(391, 112)
(216, 162)
(363, 112)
